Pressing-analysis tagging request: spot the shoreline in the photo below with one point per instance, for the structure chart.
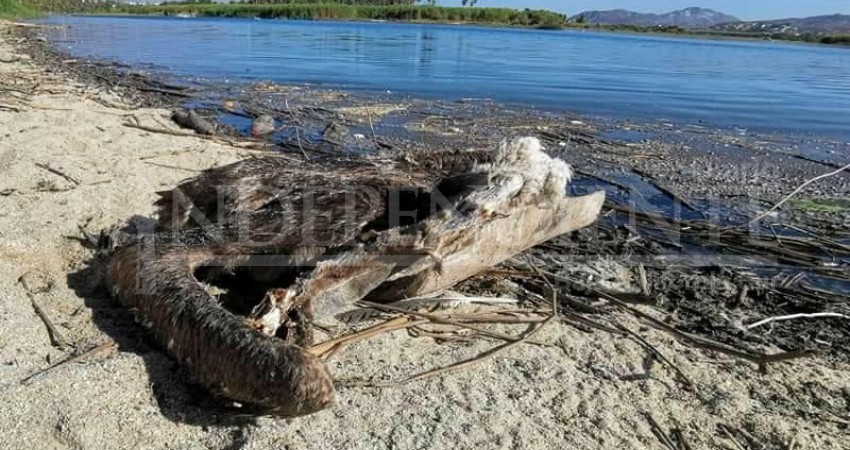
(588, 389)
(686, 33)
(679, 142)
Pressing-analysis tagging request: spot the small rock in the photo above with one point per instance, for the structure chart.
(190, 119)
(262, 126)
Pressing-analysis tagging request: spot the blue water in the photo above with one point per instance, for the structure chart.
(762, 85)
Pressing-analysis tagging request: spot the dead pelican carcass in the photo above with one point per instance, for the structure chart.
(291, 241)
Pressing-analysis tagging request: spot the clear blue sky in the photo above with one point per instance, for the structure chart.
(744, 9)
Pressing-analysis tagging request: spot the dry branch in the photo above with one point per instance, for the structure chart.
(102, 349)
(58, 172)
(797, 191)
(218, 140)
(324, 349)
(796, 316)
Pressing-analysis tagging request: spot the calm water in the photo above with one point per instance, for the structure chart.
(785, 87)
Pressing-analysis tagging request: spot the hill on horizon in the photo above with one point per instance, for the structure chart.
(821, 25)
(685, 18)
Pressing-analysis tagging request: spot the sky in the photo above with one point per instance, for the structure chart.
(743, 9)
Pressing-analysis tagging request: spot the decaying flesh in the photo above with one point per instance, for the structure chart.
(307, 240)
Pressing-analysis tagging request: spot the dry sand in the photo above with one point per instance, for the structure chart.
(573, 394)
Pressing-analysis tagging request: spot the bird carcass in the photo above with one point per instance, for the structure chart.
(284, 244)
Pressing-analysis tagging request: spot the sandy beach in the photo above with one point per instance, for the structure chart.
(69, 168)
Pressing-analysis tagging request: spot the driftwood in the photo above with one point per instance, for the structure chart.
(453, 256)
(320, 239)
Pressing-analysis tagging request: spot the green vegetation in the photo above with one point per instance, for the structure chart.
(22, 9)
(393, 10)
(340, 11)
(15, 9)
(838, 39)
(821, 205)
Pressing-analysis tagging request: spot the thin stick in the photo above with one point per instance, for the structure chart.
(440, 336)
(398, 323)
(496, 318)
(372, 127)
(459, 365)
(218, 140)
(796, 316)
(440, 320)
(301, 147)
(481, 357)
(659, 432)
(58, 172)
(102, 349)
(797, 191)
(56, 338)
(728, 432)
(297, 128)
(168, 166)
(761, 359)
(640, 340)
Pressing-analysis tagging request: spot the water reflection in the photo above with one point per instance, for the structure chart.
(793, 88)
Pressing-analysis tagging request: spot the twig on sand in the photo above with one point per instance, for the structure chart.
(797, 191)
(459, 365)
(679, 436)
(167, 166)
(326, 349)
(102, 349)
(10, 108)
(727, 430)
(58, 172)
(761, 359)
(659, 432)
(640, 340)
(440, 320)
(56, 337)
(796, 316)
(218, 140)
(513, 342)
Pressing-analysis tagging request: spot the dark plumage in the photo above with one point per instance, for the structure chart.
(289, 239)
(232, 217)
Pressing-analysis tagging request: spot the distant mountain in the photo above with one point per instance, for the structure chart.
(835, 24)
(685, 18)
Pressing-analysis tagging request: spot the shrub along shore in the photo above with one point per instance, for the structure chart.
(363, 10)
(338, 11)
(16, 9)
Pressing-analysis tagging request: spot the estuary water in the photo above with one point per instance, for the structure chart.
(783, 87)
